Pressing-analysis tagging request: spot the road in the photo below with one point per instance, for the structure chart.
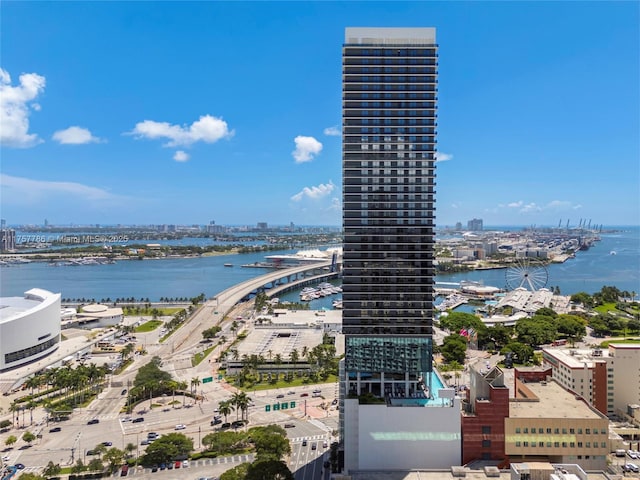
(76, 437)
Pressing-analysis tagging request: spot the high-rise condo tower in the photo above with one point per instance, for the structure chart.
(388, 387)
(389, 95)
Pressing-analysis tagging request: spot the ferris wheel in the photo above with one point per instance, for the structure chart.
(527, 273)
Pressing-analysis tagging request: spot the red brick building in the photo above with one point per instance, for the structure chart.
(483, 417)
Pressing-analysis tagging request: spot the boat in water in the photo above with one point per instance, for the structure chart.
(228, 264)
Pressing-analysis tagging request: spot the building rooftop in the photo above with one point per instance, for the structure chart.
(574, 358)
(553, 402)
(12, 307)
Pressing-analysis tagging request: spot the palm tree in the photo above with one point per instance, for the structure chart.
(130, 448)
(225, 407)
(31, 405)
(305, 351)
(195, 381)
(14, 408)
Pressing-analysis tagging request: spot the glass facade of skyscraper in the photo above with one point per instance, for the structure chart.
(389, 144)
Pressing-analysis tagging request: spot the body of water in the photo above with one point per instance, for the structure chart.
(188, 277)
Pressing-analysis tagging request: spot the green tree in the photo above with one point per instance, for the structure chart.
(457, 321)
(571, 326)
(114, 458)
(537, 330)
(236, 473)
(95, 465)
(166, 448)
(582, 298)
(270, 441)
(269, 469)
(78, 467)
(454, 348)
(211, 332)
(5, 424)
(51, 470)
(11, 439)
(523, 353)
(28, 437)
(546, 312)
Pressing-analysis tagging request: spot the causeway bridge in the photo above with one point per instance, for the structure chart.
(273, 283)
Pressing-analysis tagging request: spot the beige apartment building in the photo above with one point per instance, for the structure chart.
(609, 379)
(548, 423)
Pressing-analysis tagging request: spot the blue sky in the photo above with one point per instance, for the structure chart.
(150, 113)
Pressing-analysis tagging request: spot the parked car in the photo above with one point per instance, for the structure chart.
(185, 463)
(289, 425)
(177, 464)
(225, 425)
(145, 442)
(124, 471)
(137, 420)
(107, 444)
(314, 446)
(280, 396)
(152, 435)
(291, 392)
(181, 426)
(19, 466)
(216, 421)
(304, 442)
(55, 429)
(154, 468)
(325, 444)
(93, 421)
(91, 452)
(317, 390)
(123, 392)
(304, 394)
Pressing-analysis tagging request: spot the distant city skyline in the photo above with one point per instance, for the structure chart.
(178, 113)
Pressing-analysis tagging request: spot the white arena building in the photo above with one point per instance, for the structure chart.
(29, 327)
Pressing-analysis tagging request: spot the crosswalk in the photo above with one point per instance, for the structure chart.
(309, 438)
(204, 462)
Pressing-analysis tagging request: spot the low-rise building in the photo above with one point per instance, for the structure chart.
(546, 422)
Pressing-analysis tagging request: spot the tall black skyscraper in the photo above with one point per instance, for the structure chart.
(389, 95)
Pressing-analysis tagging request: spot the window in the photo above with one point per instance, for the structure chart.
(486, 429)
(486, 443)
(517, 444)
(556, 430)
(572, 430)
(548, 430)
(556, 444)
(587, 431)
(517, 429)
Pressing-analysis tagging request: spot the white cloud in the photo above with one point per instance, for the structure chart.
(207, 129)
(332, 131)
(554, 205)
(30, 190)
(443, 157)
(75, 136)
(314, 193)
(14, 109)
(181, 156)
(306, 149)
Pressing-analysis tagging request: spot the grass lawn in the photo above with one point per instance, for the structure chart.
(606, 343)
(296, 382)
(607, 307)
(199, 357)
(148, 326)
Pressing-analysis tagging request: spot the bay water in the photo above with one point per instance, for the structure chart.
(613, 261)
